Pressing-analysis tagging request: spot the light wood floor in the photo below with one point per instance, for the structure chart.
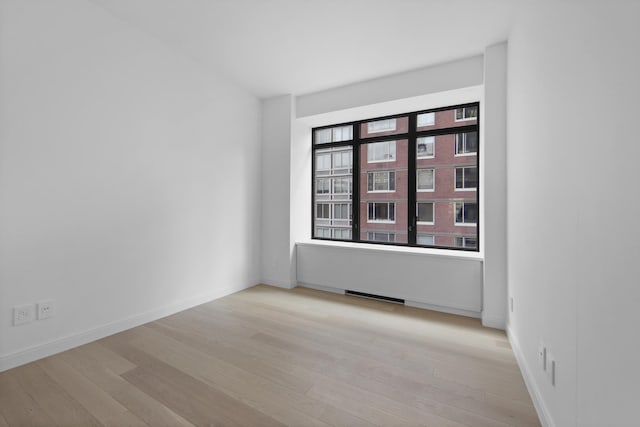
(272, 357)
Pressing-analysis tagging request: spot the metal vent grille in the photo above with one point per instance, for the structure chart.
(375, 297)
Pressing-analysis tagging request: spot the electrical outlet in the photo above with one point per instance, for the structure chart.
(551, 369)
(46, 309)
(22, 314)
(542, 356)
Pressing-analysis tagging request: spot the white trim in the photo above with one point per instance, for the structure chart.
(444, 309)
(465, 154)
(536, 396)
(424, 223)
(61, 344)
(465, 224)
(494, 322)
(409, 250)
(380, 221)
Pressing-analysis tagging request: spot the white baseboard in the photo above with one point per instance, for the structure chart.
(58, 345)
(532, 387)
(322, 288)
(493, 321)
(278, 283)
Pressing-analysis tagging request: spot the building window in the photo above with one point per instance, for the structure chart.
(381, 181)
(323, 211)
(467, 178)
(377, 236)
(425, 239)
(466, 213)
(342, 185)
(374, 180)
(323, 232)
(467, 242)
(382, 212)
(425, 147)
(381, 126)
(342, 211)
(466, 143)
(466, 113)
(424, 212)
(425, 179)
(381, 151)
(323, 186)
(342, 233)
(426, 119)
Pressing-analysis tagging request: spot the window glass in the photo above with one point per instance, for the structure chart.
(335, 134)
(426, 119)
(425, 179)
(376, 128)
(425, 239)
(425, 211)
(425, 147)
(381, 151)
(467, 143)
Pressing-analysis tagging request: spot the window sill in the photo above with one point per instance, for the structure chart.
(447, 253)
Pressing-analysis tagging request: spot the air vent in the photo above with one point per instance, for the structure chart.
(375, 297)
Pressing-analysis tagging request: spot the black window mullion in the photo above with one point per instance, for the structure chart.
(355, 194)
(411, 181)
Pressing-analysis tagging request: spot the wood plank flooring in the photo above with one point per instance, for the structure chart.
(272, 357)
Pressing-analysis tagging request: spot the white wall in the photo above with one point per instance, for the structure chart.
(573, 271)
(129, 177)
(494, 187)
(276, 145)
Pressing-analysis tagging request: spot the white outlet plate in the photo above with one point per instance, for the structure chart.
(542, 356)
(22, 314)
(46, 309)
(551, 369)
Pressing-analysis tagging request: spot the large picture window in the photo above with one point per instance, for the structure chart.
(408, 179)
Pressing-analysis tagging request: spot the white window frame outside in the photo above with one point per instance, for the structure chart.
(322, 217)
(464, 240)
(455, 147)
(388, 190)
(464, 119)
(433, 149)
(382, 221)
(433, 180)
(385, 125)
(432, 236)
(455, 214)
(388, 233)
(324, 229)
(433, 213)
(389, 145)
(455, 178)
(340, 205)
(430, 122)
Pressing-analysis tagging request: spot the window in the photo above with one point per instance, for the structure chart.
(381, 151)
(424, 212)
(425, 179)
(323, 232)
(426, 119)
(342, 233)
(466, 113)
(466, 143)
(323, 210)
(377, 236)
(467, 242)
(425, 147)
(467, 178)
(382, 212)
(425, 239)
(374, 179)
(323, 186)
(466, 213)
(342, 185)
(342, 211)
(381, 126)
(381, 181)
(342, 160)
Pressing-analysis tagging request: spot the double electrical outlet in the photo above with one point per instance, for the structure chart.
(548, 363)
(40, 310)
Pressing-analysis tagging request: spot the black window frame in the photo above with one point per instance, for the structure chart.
(411, 136)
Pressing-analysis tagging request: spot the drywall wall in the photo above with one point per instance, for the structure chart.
(494, 187)
(442, 282)
(453, 75)
(129, 177)
(276, 145)
(573, 95)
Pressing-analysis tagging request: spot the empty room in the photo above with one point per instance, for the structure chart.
(319, 213)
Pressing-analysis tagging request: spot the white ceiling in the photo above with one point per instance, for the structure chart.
(274, 47)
